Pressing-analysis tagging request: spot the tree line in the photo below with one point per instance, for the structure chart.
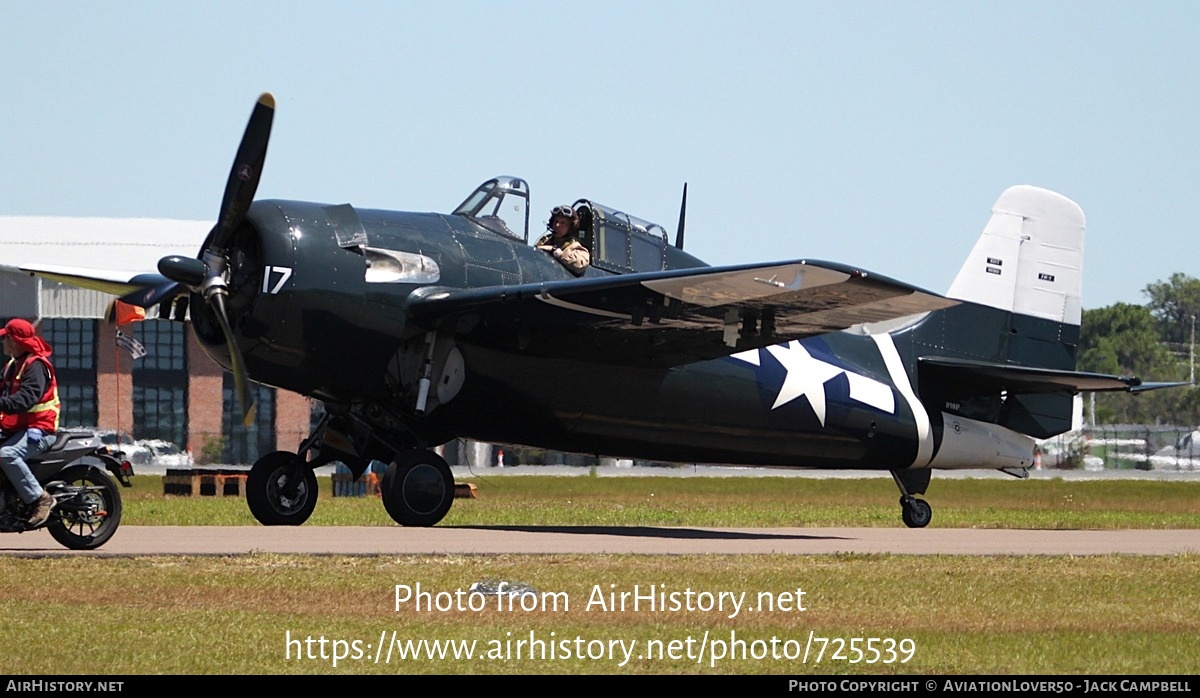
(1153, 342)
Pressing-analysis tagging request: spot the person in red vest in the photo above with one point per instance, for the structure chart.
(28, 412)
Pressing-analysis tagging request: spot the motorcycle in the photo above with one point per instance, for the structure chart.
(87, 507)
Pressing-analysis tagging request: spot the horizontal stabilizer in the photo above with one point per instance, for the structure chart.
(1038, 402)
(988, 376)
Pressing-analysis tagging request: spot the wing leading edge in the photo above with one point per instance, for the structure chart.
(670, 318)
(142, 289)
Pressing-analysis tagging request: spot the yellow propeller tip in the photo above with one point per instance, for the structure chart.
(249, 418)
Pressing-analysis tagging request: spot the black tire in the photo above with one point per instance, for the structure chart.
(281, 490)
(418, 488)
(88, 520)
(916, 513)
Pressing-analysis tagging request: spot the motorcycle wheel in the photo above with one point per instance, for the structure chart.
(86, 530)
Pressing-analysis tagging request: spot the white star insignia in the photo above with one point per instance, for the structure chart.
(805, 376)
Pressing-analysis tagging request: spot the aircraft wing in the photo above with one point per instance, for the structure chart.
(137, 288)
(668, 318)
(995, 377)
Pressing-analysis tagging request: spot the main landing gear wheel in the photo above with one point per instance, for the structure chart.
(281, 490)
(418, 488)
(916, 512)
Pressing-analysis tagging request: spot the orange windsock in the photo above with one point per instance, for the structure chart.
(124, 313)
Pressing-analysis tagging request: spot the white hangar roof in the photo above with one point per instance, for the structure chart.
(111, 244)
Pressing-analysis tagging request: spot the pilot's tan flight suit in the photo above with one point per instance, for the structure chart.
(569, 252)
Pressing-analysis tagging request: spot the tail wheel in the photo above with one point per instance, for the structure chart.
(916, 513)
(418, 488)
(281, 490)
(88, 519)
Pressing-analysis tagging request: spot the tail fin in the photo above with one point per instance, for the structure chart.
(1029, 259)
(1007, 354)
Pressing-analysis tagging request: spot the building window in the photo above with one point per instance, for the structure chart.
(160, 382)
(245, 445)
(74, 343)
(165, 343)
(159, 412)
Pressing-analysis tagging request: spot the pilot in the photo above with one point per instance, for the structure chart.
(562, 242)
(28, 412)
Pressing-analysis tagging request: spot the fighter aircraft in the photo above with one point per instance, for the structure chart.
(416, 328)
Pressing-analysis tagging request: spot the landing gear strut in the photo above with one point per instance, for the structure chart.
(916, 513)
(418, 488)
(281, 489)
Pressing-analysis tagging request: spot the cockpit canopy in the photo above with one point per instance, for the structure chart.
(619, 243)
(501, 205)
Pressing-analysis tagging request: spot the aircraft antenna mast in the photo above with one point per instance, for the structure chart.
(682, 216)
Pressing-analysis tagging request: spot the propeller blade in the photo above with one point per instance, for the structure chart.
(209, 271)
(246, 171)
(206, 275)
(240, 382)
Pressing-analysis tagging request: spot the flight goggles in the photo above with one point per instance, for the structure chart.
(564, 211)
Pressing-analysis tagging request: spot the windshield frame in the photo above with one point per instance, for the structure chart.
(500, 205)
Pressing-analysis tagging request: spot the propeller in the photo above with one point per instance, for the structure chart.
(207, 274)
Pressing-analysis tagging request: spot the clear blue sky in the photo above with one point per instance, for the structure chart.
(877, 134)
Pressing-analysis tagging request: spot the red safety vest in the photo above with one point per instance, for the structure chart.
(43, 415)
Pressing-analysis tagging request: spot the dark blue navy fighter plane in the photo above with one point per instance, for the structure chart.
(417, 328)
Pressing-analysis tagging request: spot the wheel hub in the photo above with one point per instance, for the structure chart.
(288, 492)
(423, 489)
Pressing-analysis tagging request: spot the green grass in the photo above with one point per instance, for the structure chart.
(203, 615)
(735, 501)
(1110, 614)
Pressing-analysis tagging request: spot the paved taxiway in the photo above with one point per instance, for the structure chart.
(479, 540)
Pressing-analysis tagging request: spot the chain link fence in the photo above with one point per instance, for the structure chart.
(1125, 446)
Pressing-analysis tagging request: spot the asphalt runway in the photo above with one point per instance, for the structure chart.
(491, 540)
